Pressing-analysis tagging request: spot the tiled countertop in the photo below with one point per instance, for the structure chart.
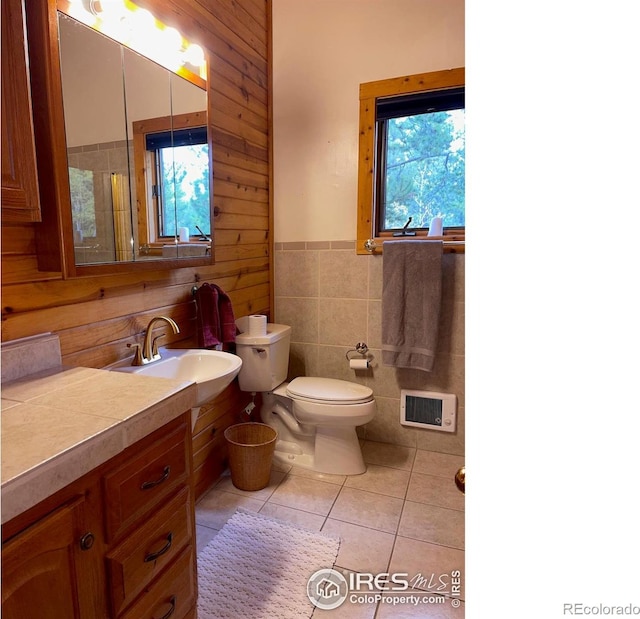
(63, 422)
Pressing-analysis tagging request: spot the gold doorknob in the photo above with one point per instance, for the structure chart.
(460, 479)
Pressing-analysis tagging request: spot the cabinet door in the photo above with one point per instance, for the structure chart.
(41, 568)
(20, 198)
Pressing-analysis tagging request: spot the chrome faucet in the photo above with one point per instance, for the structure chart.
(149, 351)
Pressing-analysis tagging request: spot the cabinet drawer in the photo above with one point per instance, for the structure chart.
(149, 550)
(172, 595)
(144, 480)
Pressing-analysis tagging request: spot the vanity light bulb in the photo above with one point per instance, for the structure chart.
(194, 55)
(172, 39)
(143, 20)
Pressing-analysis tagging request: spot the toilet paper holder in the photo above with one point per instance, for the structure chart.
(361, 348)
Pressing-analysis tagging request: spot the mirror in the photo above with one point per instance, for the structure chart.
(137, 150)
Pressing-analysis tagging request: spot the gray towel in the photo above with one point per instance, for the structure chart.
(411, 292)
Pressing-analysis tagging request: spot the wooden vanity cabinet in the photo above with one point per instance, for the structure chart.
(118, 543)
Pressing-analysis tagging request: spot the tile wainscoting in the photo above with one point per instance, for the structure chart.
(331, 297)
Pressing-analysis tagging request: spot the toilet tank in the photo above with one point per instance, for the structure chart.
(265, 358)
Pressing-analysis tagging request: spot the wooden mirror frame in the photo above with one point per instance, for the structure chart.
(54, 235)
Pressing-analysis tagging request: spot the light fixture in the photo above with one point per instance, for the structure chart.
(138, 29)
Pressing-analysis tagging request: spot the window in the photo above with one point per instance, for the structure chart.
(412, 157)
(182, 180)
(176, 194)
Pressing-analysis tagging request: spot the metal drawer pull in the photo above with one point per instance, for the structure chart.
(86, 542)
(152, 556)
(147, 485)
(172, 610)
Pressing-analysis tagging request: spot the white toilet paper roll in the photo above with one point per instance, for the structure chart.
(257, 324)
(183, 235)
(359, 364)
(435, 228)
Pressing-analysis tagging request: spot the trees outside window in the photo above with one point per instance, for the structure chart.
(423, 171)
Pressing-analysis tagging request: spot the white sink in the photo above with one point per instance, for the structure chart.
(211, 370)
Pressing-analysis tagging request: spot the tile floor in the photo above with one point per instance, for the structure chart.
(404, 514)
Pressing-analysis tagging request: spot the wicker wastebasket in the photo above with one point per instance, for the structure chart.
(251, 447)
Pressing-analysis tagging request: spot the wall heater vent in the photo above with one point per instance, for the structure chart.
(428, 409)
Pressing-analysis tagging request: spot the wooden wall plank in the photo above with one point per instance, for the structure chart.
(241, 192)
(18, 240)
(239, 87)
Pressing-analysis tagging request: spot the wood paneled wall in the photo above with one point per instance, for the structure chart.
(96, 317)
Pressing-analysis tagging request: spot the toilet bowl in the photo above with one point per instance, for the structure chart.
(316, 418)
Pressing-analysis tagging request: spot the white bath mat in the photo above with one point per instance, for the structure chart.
(258, 567)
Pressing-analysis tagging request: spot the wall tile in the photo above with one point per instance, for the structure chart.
(342, 321)
(294, 245)
(343, 245)
(374, 322)
(451, 335)
(303, 360)
(29, 355)
(94, 160)
(297, 273)
(375, 277)
(385, 377)
(343, 274)
(301, 313)
(453, 276)
(118, 159)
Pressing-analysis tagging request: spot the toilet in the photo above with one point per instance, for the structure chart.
(316, 418)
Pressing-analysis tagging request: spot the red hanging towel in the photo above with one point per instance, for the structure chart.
(214, 316)
(227, 320)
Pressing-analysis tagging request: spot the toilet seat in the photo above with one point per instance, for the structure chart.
(328, 391)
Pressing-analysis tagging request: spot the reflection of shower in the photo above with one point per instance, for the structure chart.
(121, 217)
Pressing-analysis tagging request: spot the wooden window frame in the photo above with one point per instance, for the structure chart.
(145, 160)
(366, 242)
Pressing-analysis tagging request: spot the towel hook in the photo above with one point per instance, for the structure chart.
(370, 245)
